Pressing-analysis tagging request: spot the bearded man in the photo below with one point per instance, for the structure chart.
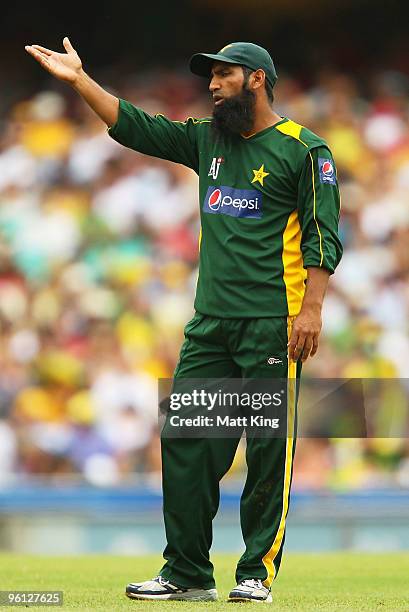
(269, 207)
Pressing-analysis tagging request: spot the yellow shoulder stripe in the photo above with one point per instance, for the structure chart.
(290, 128)
(194, 120)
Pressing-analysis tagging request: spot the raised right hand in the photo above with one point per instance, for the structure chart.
(64, 66)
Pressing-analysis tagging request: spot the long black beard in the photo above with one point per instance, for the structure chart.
(236, 115)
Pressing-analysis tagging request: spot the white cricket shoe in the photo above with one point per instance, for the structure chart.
(251, 590)
(158, 588)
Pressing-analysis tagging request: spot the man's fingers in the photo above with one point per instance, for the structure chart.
(43, 49)
(67, 45)
(314, 346)
(41, 58)
(295, 346)
(38, 55)
(307, 349)
(291, 345)
(299, 348)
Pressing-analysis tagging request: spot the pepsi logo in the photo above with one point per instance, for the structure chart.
(327, 168)
(214, 199)
(226, 200)
(327, 171)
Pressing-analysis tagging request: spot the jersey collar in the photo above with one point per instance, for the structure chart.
(262, 132)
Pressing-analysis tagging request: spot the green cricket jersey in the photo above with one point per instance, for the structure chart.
(269, 208)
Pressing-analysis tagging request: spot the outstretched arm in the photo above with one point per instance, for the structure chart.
(68, 67)
(158, 136)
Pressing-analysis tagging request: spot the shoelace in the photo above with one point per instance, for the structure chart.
(252, 582)
(161, 580)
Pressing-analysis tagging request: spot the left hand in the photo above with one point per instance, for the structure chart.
(305, 333)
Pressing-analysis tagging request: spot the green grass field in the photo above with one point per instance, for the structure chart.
(324, 582)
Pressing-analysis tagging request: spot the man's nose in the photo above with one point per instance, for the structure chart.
(213, 85)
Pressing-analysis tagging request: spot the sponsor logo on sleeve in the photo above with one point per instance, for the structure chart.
(234, 202)
(327, 171)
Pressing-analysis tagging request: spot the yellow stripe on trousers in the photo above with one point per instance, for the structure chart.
(268, 559)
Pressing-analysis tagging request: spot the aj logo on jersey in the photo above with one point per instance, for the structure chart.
(327, 171)
(215, 167)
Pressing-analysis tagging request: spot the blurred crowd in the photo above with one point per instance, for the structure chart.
(98, 267)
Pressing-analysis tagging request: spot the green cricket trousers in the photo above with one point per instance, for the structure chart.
(192, 468)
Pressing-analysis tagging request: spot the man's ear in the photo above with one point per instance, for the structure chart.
(258, 78)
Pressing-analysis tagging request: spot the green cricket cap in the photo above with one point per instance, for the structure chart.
(242, 53)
